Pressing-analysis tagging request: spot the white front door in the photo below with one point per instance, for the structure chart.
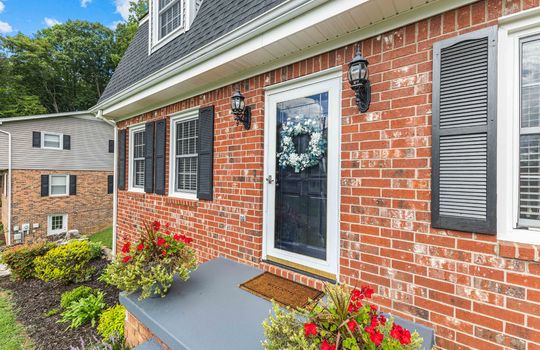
(301, 226)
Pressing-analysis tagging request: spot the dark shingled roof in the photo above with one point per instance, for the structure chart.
(214, 19)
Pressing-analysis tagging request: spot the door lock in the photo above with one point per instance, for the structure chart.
(270, 179)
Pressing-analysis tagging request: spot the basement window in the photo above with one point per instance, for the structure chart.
(57, 223)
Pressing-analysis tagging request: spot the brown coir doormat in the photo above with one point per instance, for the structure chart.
(281, 290)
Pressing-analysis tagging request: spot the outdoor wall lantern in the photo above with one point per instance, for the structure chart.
(242, 113)
(359, 80)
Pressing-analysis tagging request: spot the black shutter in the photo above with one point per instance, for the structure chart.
(161, 135)
(205, 149)
(111, 146)
(36, 139)
(464, 132)
(110, 184)
(72, 185)
(44, 185)
(122, 159)
(67, 142)
(149, 157)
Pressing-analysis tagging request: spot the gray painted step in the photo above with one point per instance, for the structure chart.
(149, 345)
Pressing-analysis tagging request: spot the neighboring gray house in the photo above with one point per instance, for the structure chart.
(56, 173)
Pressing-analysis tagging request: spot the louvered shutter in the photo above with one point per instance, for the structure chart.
(464, 132)
(122, 159)
(161, 141)
(44, 185)
(110, 184)
(149, 157)
(205, 150)
(111, 146)
(36, 139)
(66, 144)
(72, 185)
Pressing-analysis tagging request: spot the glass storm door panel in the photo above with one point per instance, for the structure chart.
(302, 174)
(300, 202)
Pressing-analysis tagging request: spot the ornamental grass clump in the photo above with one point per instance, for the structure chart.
(149, 265)
(342, 320)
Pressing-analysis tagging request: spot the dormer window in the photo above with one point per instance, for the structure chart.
(170, 18)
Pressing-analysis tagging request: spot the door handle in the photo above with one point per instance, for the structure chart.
(270, 179)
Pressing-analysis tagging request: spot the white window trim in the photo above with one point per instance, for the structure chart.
(60, 136)
(190, 114)
(155, 42)
(133, 130)
(50, 231)
(50, 186)
(512, 29)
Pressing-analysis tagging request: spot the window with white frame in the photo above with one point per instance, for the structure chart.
(51, 140)
(518, 124)
(57, 223)
(137, 137)
(184, 158)
(58, 185)
(170, 18)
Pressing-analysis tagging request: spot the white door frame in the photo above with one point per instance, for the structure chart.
(326, 81)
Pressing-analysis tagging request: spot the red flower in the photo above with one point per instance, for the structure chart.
(370, 330)
(156, 225)
(401, 334)
(356, 295)
(176, 237)
(127, 259)
(352, 325)
(405, 337)
(186, 240)
(373, 308)
(310, 329)
(167, 232)
(126, 247)
(377, 338)
(140, 246)
(367, 291)
(382, 319)
(395, 332)
(161, 241)
(374, 321)
(164, 252)
(326, 346)
(167, 226)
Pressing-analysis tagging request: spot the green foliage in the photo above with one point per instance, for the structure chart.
(284, 331)
(75, 295)
(151, 264)
(111, 322)
(66, 262)
(53, 312)
(84, 310)
(102, 237)
(13, 335)
(20, 258)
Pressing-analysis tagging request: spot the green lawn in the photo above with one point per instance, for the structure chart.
(105, 237)
(12, 334)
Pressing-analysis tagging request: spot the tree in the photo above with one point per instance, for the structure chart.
(125, 31)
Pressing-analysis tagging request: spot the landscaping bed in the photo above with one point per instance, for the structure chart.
(34, 298)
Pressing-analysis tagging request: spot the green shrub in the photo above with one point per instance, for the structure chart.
(75, 295)
(20, 258)
(66, 262)
(111, 322)
(84, 310)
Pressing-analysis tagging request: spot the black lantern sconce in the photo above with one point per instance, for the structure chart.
(242, 113)
(359, 80)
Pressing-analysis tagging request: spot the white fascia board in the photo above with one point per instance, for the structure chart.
(222, 55)
(44, 116)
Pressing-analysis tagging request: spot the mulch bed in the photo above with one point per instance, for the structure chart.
(34, 298)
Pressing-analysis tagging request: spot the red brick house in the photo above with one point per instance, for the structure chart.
(432, 195)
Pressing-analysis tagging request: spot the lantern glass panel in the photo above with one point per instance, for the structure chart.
(354, 73)
(363, 71)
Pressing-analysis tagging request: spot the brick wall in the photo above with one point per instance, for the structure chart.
(88, 211)
(3, 209)
(475, 291)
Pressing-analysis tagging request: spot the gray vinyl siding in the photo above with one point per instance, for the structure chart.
(89, 144)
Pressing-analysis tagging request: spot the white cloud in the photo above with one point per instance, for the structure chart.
(122, 7)
(5, 28)
(114, 24)
(2, 7)
(84, 3)
(51, 21)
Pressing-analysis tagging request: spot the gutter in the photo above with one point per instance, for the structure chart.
(99, 115)
(281, 13)
(8, 184)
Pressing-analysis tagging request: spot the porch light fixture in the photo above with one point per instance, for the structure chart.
(242, 113)
(359, 80)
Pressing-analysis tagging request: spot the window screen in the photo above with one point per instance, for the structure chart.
(138, 158)
(58, 185)
(186, 155)
(170, 16)
(529, 141)
(51, 141)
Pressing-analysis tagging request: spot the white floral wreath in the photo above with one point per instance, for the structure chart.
(314, 152)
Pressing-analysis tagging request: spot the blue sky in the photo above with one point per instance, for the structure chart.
(28, 16)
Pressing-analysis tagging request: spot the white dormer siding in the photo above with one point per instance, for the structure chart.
(170, 18)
